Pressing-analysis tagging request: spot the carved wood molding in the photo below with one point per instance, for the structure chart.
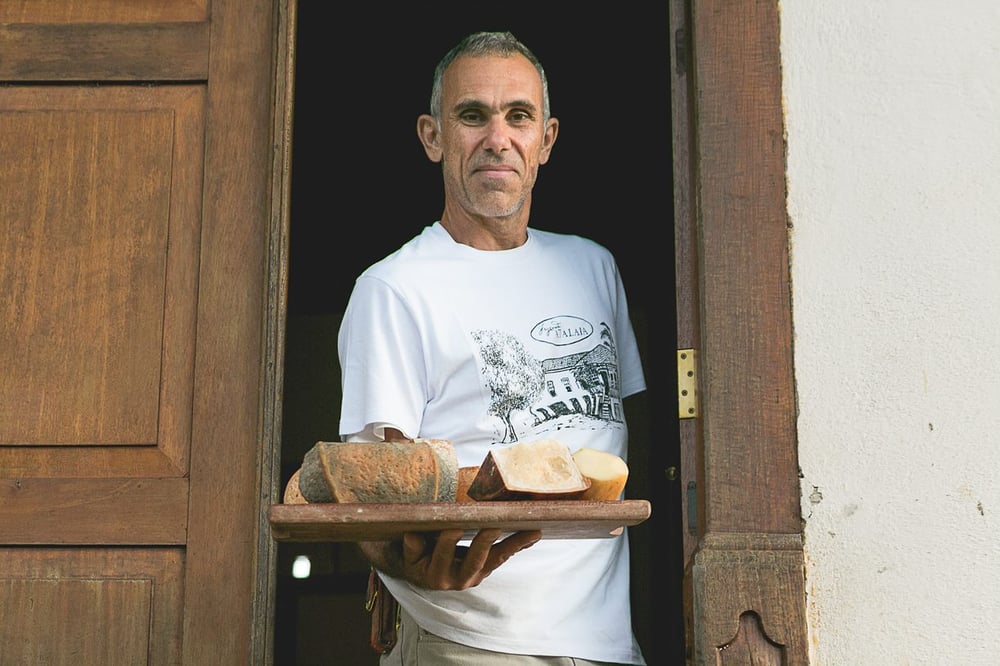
(748, 592)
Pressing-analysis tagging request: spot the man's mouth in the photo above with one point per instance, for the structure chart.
(495, 169)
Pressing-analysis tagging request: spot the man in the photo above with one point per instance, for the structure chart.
(485, 332)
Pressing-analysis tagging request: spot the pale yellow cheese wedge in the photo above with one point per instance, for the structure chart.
(606, 471)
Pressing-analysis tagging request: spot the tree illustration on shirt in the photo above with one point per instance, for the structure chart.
(577, 388)
(513, 376)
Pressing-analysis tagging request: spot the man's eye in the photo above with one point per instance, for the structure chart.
(519, 116)
(471, 117)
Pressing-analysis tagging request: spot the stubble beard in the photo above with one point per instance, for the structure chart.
(497, 199)
(498, 204)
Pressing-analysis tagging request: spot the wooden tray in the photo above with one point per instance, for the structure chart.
(557, 519)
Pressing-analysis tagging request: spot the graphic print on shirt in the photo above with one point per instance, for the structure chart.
(528, 394)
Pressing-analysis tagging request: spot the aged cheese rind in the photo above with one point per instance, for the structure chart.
(293, 494)
(465, 477)
(447, 460)
(419, 471)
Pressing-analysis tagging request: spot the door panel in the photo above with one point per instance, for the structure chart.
(94, 40)
(135, 166)
(99, 264)
(93, 511)
(91, 606)
(140, 12)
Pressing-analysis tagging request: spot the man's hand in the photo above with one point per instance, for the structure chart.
(441, 564)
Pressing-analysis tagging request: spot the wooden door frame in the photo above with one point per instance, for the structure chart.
(744, 572)
(744, 564)
(274, 327)
(236, 415)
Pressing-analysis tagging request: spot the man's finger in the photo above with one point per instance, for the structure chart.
(414, 544)
(478, 553)
(503, 550)
(443, 556)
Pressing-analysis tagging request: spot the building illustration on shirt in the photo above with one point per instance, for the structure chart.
(526, 392)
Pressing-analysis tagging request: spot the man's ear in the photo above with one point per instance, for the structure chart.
(548, 140)
(430, 137)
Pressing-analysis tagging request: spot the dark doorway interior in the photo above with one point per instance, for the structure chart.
(361, 186)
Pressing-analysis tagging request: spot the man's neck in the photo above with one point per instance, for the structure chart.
(488, 234)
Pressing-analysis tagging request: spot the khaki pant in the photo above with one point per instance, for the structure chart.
(417, 647)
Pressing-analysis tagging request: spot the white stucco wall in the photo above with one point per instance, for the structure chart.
(893, 118)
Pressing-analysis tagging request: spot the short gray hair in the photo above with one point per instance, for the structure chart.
(486, 44)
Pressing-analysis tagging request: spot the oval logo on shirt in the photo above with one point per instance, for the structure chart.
(562, 330)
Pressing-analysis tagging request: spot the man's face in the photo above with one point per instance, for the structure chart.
(492, 136)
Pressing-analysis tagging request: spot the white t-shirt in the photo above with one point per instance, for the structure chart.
(484, 349)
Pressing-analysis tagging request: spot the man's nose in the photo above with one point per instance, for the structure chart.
(497, 135)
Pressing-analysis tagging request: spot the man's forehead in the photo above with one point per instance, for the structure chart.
(485, 78)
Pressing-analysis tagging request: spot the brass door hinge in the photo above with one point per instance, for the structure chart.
(687, 384)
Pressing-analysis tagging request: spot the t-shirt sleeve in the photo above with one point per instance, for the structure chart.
(633, 380)
(382, 367)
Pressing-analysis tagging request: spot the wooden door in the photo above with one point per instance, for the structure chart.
(135, 210)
